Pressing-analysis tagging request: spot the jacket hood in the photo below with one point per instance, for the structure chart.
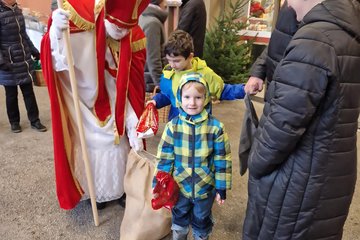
(193, 77)
(155, 11)
(345, 14)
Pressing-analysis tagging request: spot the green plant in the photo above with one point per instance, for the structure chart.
(224, 52)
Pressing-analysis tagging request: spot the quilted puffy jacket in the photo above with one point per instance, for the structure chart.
(302, 166)
(16, 48)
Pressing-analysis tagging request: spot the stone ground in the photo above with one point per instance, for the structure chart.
(28, 204)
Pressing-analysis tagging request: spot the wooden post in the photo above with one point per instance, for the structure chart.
(171, 22)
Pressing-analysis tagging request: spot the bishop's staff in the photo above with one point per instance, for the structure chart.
(89, 178)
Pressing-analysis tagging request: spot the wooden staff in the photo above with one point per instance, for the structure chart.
(69, 58)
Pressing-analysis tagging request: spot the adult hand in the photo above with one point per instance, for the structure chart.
(114, 31)
(36, 55)
(254, 85)
(135, 142)
(60, 21)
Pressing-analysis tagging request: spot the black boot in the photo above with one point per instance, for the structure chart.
(38, 126)
(15, 127)
(99, 205)
(122, 200)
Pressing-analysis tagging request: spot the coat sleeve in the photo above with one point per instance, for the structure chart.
(162, 98)
(258, 69)
(215, 82)
(153, 51)
(222, 160)
(296, 92)
(233, 92)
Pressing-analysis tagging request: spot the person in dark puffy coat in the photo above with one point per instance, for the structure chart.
(264, 66)
(303, 163)
(192, 19)
(17, 65)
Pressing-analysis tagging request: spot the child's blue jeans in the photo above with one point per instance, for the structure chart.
(196, 213)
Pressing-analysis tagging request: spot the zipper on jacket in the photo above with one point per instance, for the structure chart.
(22, 45)
(9, 52)
(193, 162)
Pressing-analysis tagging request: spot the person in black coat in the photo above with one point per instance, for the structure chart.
(264, 66)
(192, 19)
(303, 162)
(17, 65)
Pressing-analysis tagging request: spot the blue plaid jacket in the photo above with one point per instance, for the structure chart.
(196, 151)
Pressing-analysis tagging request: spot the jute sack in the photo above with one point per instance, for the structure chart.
(140, 221)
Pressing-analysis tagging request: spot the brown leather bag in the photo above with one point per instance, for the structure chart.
(140, 220)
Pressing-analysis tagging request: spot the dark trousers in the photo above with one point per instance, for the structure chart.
(196, 213)
(12, 106)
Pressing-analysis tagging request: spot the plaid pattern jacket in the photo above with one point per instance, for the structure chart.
(195, 150)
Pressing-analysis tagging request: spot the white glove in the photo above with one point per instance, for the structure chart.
(135, 142)
(130, 124)
(60, 21)
(114, 31)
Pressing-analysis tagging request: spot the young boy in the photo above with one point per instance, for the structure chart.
(195, 150)
(179, 52)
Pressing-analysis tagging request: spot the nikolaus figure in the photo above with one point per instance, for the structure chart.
(109, 55)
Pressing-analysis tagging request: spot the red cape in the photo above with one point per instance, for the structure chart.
(67, 188)
(130, 81)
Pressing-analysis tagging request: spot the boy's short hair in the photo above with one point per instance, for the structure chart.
(180, 43)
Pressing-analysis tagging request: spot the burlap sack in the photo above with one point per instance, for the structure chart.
(140, 221)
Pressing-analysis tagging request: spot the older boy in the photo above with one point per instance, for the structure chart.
(179, 52)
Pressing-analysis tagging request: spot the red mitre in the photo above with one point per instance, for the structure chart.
(124, 13)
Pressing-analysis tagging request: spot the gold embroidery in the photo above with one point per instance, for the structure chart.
(138, 45)
(112, 43)
(77, 19)
(121, 22)
(99, 6)
(114, 48)
(116, 135)
(135, 11)
(101, 123)
(135, 46)
(68, 144)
